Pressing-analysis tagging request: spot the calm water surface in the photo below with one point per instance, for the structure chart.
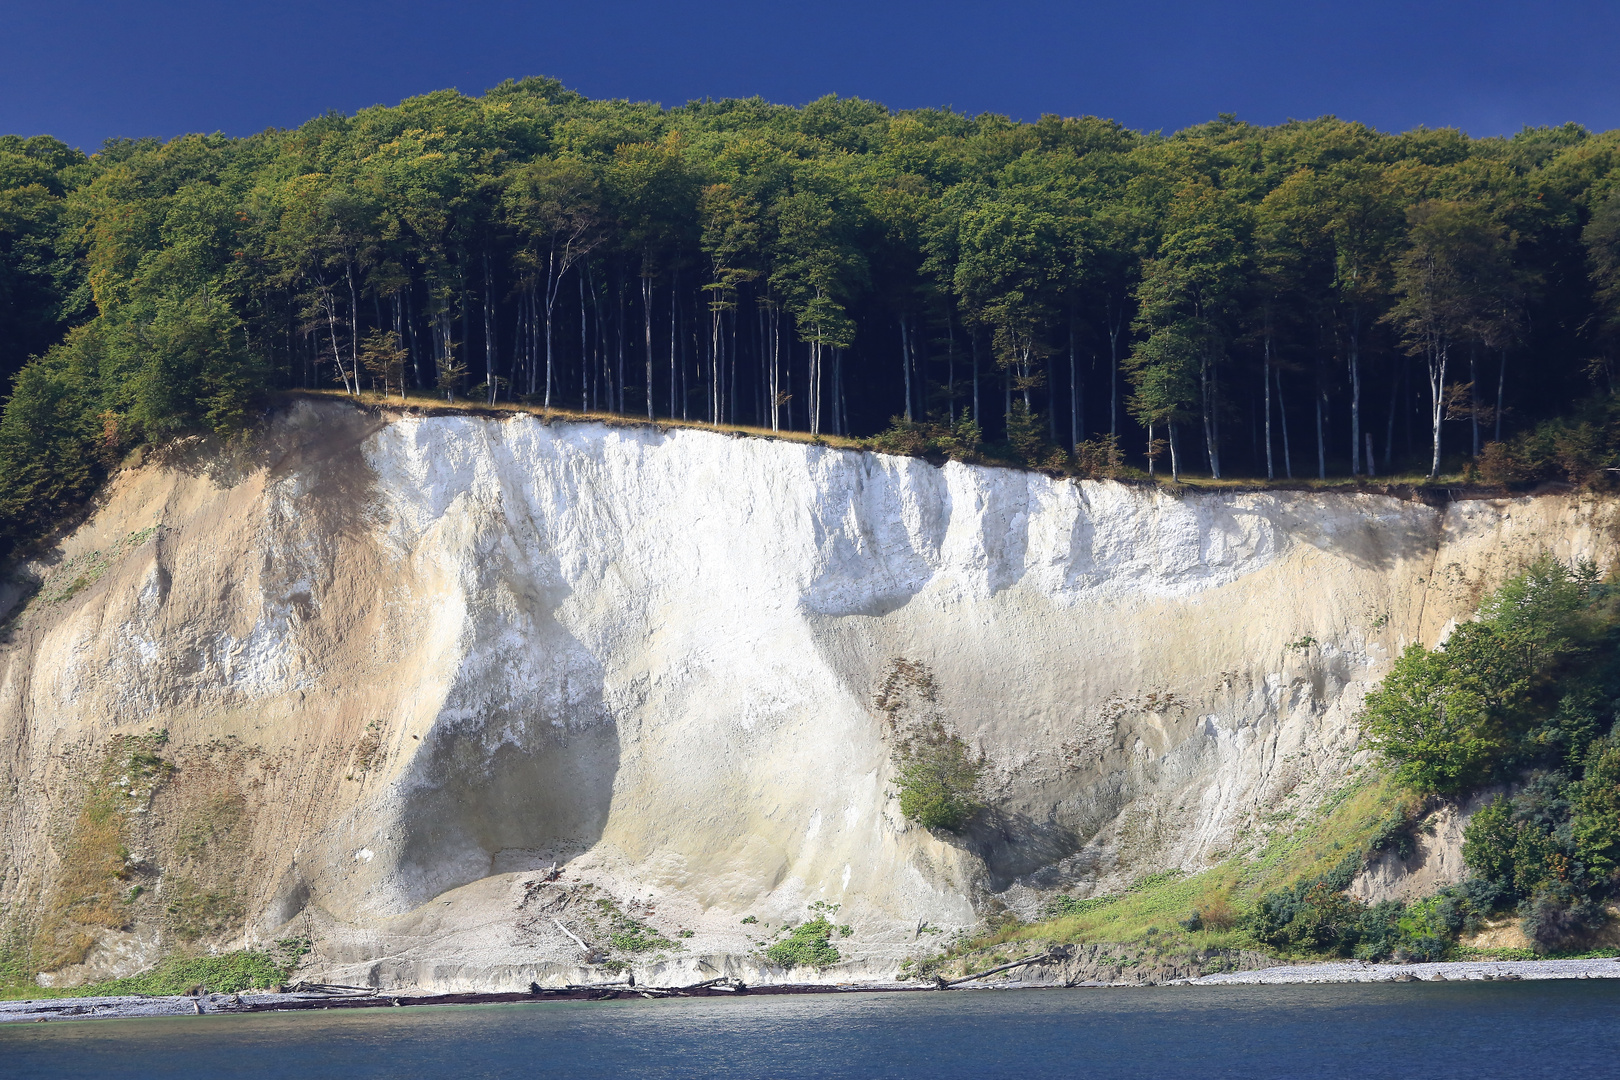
(1554, 1029)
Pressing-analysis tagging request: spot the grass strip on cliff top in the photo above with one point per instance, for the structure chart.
(991, 454)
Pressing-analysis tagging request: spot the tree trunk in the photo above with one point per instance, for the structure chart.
(646, 314)
(815, 384)
(1076, 435)
(331, 332)
(775, 318)
(787, 373)
(1006, 398)
(1355, 391)
(585, 379)
(1114, 327)
(618, 327)
(843, 405)
(517, 351)
(1437, 393)
(838, 392)
(686, 369)
(410, 326)
(1211, 435)
(905, 362)
(489, 335)
(1501, 384)
(354, 330)
(978, 416)
(1026, 354)
(1271, 472)
(1282, 416)
(551, 299)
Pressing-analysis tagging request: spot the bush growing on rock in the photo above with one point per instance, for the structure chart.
(1527, 695)
(937, 775)
(806, 945)
(1531, 683)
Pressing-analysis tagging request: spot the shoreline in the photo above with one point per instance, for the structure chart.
(1361, 971)
(1343, 971)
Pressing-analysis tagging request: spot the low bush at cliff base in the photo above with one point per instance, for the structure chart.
(229, 973)
(1526, 695)
(807, 945)
(1209, 910)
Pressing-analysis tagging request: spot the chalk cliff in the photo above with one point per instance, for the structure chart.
(408, 664)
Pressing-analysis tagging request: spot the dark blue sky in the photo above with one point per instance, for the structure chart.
(85, 71)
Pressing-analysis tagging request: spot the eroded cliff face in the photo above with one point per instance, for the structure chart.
(407, 664)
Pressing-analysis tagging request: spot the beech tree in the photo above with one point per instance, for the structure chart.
(554, 206)
(840, 268)
(1443, 282)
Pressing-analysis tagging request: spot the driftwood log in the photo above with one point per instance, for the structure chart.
(1033, 958)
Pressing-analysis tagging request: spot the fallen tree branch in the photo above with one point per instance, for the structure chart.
(330, 988)
(1034, 958)
(571, 934)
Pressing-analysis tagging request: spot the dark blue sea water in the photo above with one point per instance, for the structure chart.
(1550, 1029)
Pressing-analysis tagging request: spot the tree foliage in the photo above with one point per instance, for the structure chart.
(938, 775)
(1514, 688)
(1528, 696)
(1246, 297)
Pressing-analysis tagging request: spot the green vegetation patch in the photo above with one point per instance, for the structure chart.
(1210, 910)
(936, 773)
(629, 934)
(90, 892)
(191, 912)
(1527, 695)
(806, 945)
(809, 944)
(229, 973)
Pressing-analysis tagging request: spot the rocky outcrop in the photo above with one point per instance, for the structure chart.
(1431, 860)
(1100, 964)
(407, 665)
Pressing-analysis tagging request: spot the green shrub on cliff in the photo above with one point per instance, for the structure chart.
(807, 945)
(1530, 683)
(937, 775)
(1525, 695)
(229, 973)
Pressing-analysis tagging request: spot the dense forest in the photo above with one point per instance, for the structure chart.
(1313, 299)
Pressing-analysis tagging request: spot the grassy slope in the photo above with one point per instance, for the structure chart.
(225, 974)
(1153, 909)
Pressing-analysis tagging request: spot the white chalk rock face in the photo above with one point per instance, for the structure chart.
(434, 656)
